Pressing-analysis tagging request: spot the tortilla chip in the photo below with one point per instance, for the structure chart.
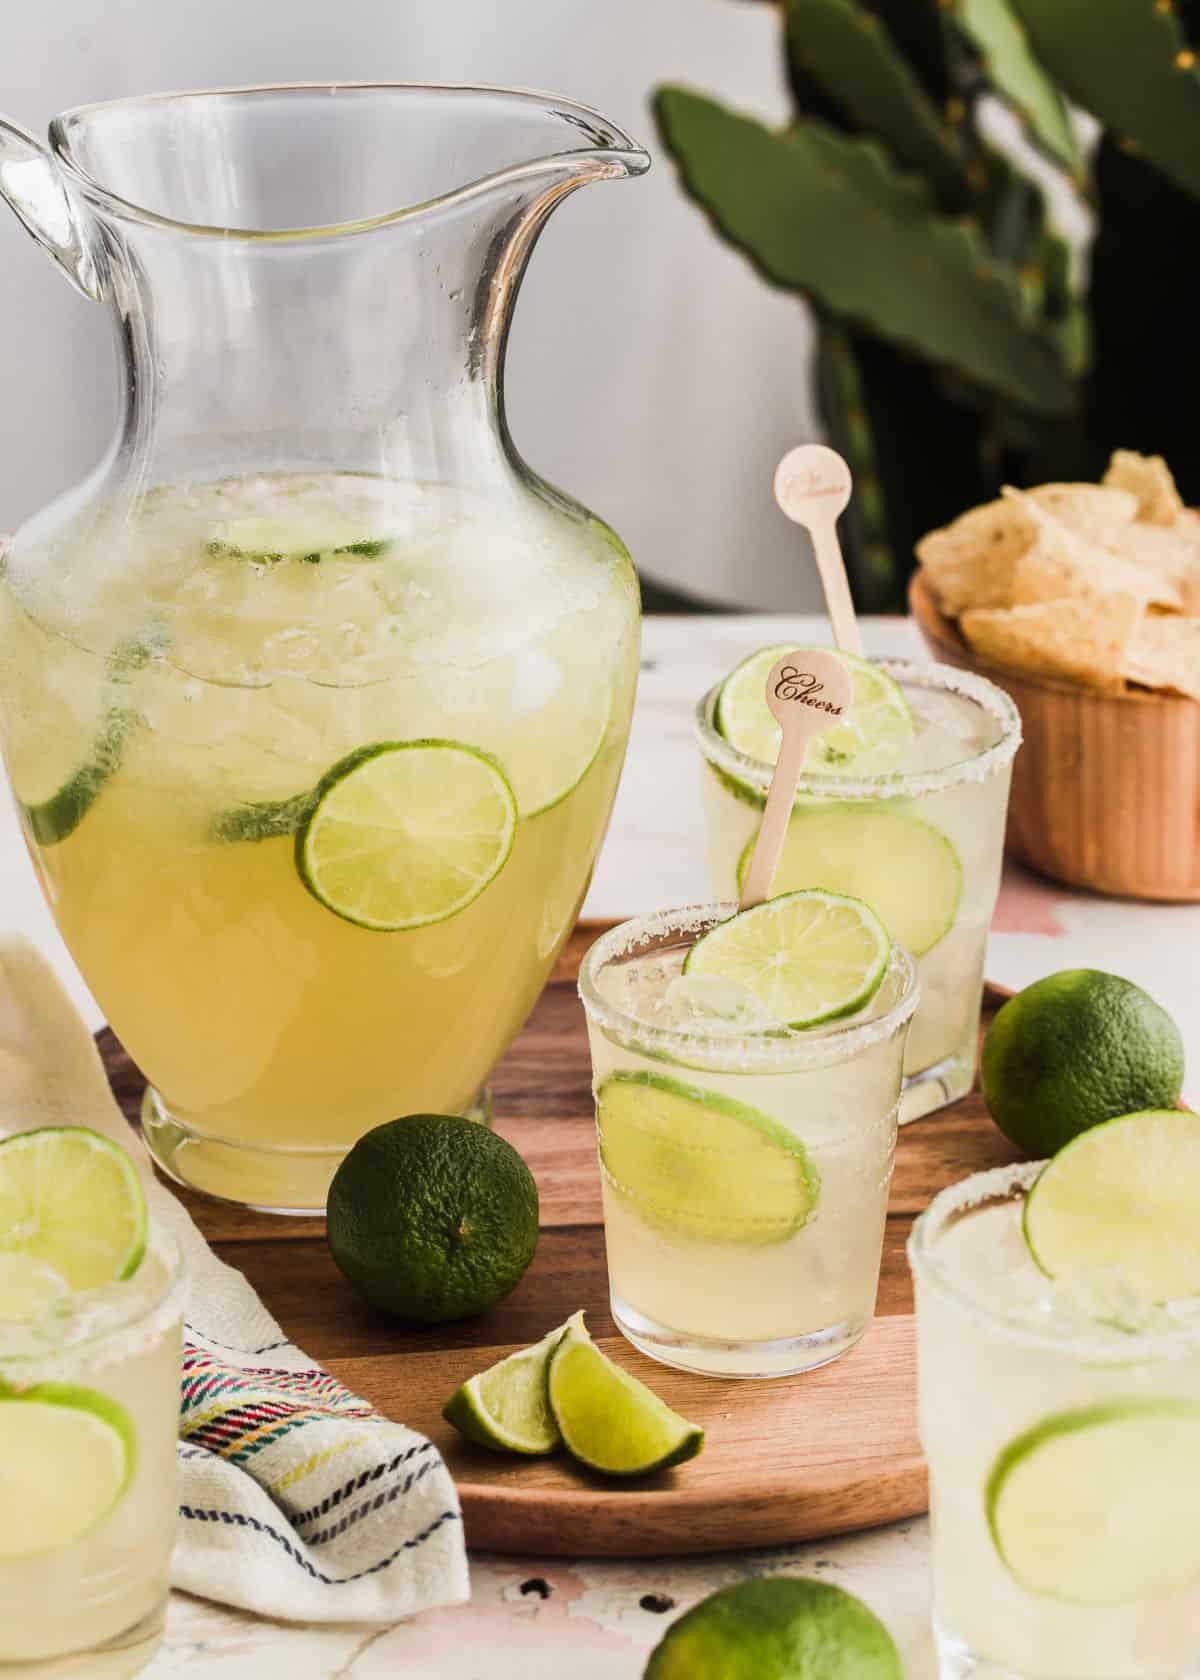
(1081, 640)
(1148, 477)
(970, 563)
(1061, 564)
(1165, 653)
(1092, 510)
(1172, 553)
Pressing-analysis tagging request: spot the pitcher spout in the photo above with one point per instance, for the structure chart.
(33, 187)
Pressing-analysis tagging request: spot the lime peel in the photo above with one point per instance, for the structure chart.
(1054, 1491)
(1122, 1194)
(403, 834)
(608, 1419)
(702, 1165)
(72, 1198)
(67, 1456)
(808, 956)
(506, 1408)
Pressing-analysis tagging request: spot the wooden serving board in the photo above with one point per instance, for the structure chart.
(789, 1459)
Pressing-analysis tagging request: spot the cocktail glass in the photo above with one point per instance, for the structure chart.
(922, 845)
(312, 544)
(95, 1373)
(745, 1168)
(1034, 1395)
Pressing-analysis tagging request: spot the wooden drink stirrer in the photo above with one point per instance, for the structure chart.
(806, 691)
(812, 486)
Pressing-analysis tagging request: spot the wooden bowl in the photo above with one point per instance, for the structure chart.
(1106, 788)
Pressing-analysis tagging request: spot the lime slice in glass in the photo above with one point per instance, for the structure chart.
(808, 956)
(406, 833)
(72, 1199)
(697, 1164)
(874, 738)
(1123, 1195)
(1098, 1506)
(311, 538)
(906, 870)
(505, 1407)
(28, 1287)
(66, 1457)
(608, 1419)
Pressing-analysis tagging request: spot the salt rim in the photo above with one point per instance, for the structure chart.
(724, 1053)
(33, 1358)
(945, 679)
(1103, 1345)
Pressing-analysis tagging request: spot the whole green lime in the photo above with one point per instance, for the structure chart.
(1074, 1049)
(433, 1217)
(779, 1629)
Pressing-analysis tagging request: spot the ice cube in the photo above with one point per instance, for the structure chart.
(1104, 1295)
(711, 1003)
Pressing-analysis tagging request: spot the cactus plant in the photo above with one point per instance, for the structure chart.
(955, 348)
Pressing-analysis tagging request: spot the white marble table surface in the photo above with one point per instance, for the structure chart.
(533, 1619)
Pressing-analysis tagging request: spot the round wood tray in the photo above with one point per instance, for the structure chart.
(792, 1459)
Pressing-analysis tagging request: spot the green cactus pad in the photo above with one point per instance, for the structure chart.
(866, 224)
(999, 39)
(1132, 68)
(852, 55)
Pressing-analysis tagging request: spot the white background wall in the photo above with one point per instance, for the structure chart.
(651, 372)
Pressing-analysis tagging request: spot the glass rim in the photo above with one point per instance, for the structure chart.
(827, 1046)
(1096, 1345)
(946, 679)
(619, 155)
(105, 1345)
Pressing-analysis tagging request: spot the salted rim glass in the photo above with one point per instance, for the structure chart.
(763, 1052)
(1101, 1345)
(945, 679)
(28, 1356)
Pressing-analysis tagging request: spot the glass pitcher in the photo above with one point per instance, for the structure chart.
(313, 697)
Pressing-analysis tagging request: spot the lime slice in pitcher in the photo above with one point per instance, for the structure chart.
(310, 539)
(701, 1165)
(66, 1457)
(71, 1199)
(807, 956)
(405, 833)
(875, 737)
(1098, 1506)
(905, 869)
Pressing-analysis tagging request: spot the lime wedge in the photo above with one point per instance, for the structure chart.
(1098, 1506)
(406, 833)
(700, 1165)
(269, 541)
(608, 1419)
(875, 737)
(73, 1200)
(66, 1457)
(808, 956)
(1123, 1194)
(505, 1407)
(28, 1287)
(906, 870)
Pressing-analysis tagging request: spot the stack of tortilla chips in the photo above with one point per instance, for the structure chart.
(1095, 583)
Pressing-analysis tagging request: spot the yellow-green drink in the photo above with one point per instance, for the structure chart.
(315, 771)
(745, 1165)
(89, 1419)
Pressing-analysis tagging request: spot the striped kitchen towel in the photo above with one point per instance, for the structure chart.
(297, 1500)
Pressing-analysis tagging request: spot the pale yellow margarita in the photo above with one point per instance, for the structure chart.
(253, 634)
(90, 1376)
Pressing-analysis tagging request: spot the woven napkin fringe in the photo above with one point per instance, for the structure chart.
(297, 1499)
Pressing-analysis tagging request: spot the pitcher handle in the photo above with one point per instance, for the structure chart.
(30, 181)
